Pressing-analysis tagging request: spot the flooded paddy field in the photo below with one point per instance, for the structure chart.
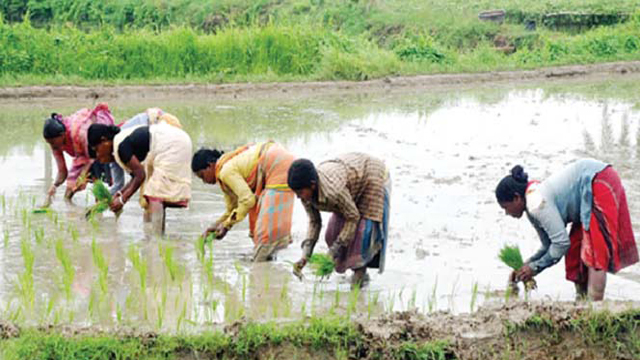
(446, 149)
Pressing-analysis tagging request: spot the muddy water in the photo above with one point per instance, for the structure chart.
(446, 150)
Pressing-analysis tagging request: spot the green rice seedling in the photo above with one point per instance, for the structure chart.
(25, 280)
(39, 235)
(321, 297)
(474, 296)
(67, 267)
(50, 305)
(353, 300)
(25, 217)
(284, 291)
(391, 303)
(4, 204)
(166, 253)
(453, 295)
(75, 235)
(412, 301)
(372, 303)
(322, 264)
(303, 309)
(433, 298)
(93, 304)
(201, 242)
(267, 282)
(140, 265)
(101, 264)
(6, 236)
(336, 298)
(244, 288)
(161, 309)
(511, 256)
(118, 313)
(182, 317)
(274, 308)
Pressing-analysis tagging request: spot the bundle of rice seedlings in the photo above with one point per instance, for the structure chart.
(511, 256)
(322, 264)
(103, 199)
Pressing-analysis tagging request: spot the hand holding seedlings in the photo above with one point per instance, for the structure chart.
(298, 266)
(103, 201)
(221, 231)
(210, 234)
(116, 203)
(525, 274)
(511, 256)
(322, 264)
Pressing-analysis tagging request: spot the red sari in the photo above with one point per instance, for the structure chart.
(609, 244)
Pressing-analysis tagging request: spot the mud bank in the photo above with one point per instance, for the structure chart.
(553, 330)
(309, 88)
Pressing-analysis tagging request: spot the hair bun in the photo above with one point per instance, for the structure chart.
(518, 174)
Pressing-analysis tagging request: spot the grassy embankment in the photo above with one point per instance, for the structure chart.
(179, 41)
(592, 335)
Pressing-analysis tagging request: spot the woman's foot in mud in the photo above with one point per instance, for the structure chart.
(360, 278)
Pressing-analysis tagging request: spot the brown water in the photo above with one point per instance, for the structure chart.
(446, 150)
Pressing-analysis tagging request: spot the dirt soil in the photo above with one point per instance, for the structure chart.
(295, 89)
(484, 334)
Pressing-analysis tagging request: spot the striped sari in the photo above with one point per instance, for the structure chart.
(270, 218)
(609, 244)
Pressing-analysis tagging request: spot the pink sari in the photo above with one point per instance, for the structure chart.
(76, 142)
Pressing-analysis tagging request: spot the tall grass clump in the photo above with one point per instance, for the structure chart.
(143, 54)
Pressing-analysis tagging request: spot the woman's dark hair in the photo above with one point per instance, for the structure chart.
(516, 183)
(301, 174)
(203, 157)
(53, 127)
(97, 132)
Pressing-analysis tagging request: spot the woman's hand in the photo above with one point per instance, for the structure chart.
(298, 266)
(524, 274)
(116, 203)
(221, 231)
(336, 251)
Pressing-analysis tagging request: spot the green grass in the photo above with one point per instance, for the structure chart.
(598, 334)
(330, 336)
(158, 42)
